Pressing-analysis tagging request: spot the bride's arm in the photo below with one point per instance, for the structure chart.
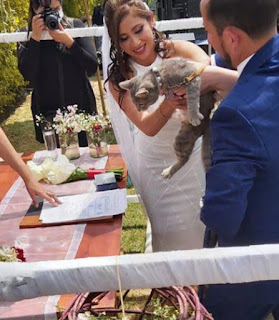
(149, 123)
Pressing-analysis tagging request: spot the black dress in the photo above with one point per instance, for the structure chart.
(59, 76)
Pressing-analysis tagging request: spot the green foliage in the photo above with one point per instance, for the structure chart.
(163, 311)
(13, 15)
(73, 8)
(76, 9)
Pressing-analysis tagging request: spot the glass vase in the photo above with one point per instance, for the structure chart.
(50, 142)
(97, 143)
(69, 145)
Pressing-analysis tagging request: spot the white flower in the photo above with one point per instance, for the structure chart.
(36, 170)
(67, 120)
(54, 172)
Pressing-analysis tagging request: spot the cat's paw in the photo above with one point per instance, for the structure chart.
(166, 173)
(196, 119)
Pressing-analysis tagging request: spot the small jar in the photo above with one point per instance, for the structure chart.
(69, 145)
(97, 143)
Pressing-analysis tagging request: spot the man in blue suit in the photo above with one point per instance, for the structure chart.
(241, 202)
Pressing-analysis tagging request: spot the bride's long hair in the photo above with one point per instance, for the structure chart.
(114, 12)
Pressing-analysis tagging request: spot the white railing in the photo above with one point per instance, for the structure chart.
(165, 25)
(150, 270)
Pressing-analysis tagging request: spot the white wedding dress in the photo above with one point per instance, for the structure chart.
(172, 205)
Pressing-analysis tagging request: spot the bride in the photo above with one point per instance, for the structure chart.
(146, 138)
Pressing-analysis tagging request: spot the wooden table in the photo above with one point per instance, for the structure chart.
(98, 239)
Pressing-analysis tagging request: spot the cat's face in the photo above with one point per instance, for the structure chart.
(144, 92)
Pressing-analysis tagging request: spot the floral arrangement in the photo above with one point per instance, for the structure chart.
(68, 120)
(67, 125)
(11, 254)
(65, 121)
(96, 127)
(62, 171)
(41, 120)
(94, 123)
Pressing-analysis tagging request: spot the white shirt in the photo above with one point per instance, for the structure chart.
(242, 65)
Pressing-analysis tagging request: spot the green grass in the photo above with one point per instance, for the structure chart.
(20, 129)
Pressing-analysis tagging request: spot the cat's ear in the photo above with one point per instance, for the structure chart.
(142, 93)
(126, 85)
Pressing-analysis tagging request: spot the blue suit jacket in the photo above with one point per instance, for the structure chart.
(241, 202)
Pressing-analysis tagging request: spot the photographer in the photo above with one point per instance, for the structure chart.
(57, 69)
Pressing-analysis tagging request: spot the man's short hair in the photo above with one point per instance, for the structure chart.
(255, 17)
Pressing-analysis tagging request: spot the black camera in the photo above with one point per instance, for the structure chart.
(51, 17)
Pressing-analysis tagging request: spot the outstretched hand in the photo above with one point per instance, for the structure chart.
(35, 189)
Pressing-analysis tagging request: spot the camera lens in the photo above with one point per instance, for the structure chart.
(51, 22)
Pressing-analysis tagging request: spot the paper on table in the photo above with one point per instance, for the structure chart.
(85, 206)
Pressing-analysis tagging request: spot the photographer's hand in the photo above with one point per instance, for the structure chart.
(62, 36)
(38, 26)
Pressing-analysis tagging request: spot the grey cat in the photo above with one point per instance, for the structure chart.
(173, 73)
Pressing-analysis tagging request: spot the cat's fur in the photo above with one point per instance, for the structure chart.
(145, 90)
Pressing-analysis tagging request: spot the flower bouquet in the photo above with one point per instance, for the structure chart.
(11, 254)
(95, 127)
(67, 126)
(62, 171)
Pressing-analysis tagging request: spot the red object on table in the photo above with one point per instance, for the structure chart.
(93, 171)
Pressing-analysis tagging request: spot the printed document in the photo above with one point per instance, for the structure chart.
(85, 206)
